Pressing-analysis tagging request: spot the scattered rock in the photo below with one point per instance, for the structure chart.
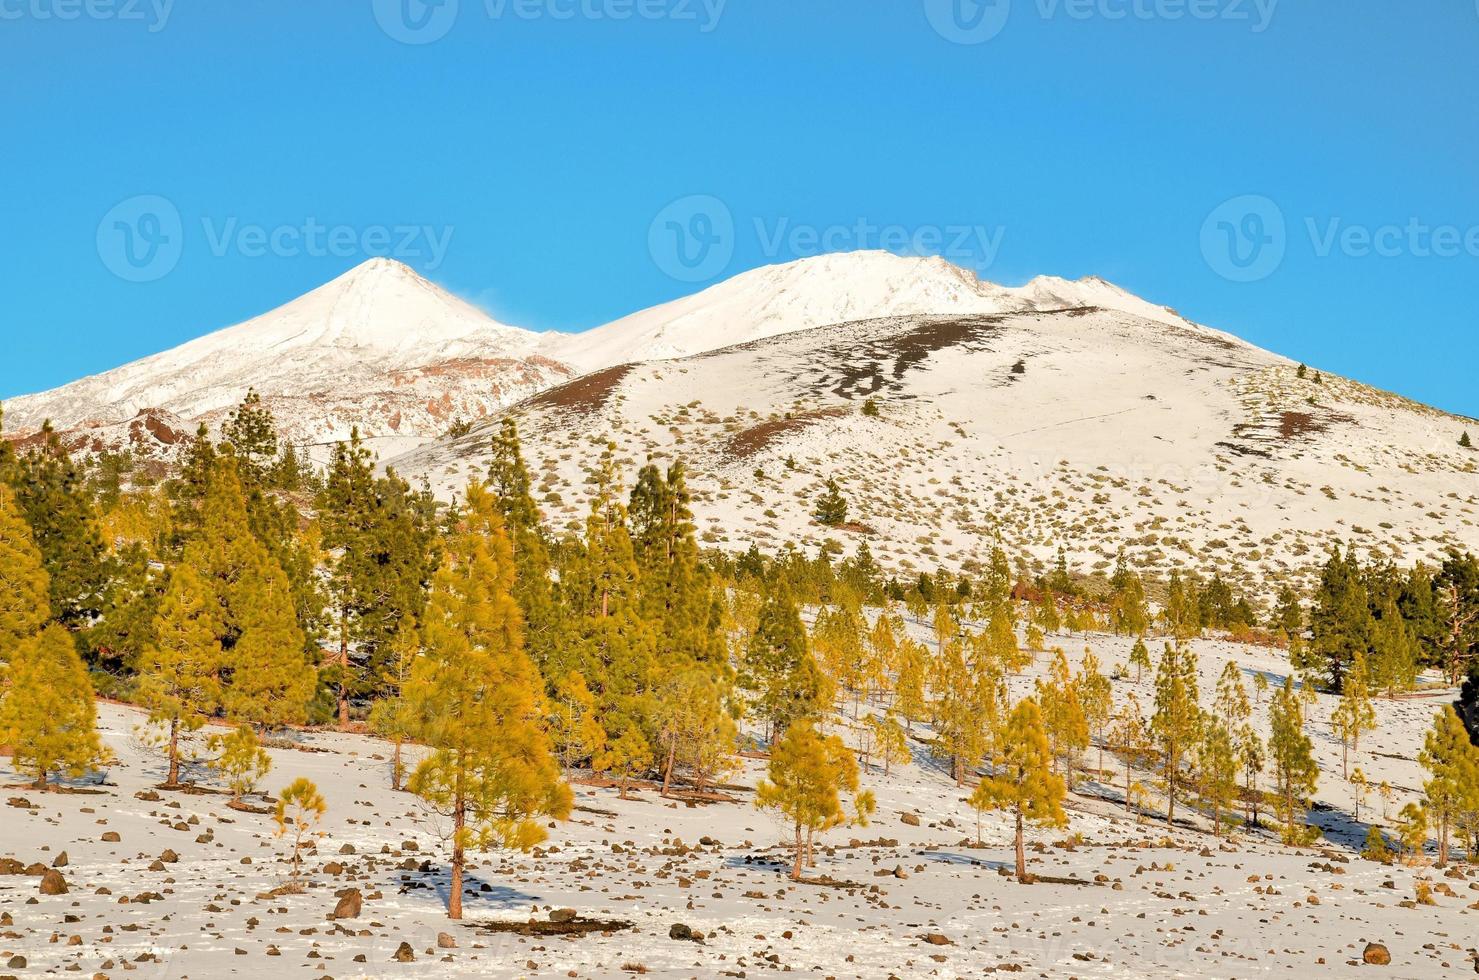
(1376, 954)
(111, 837)
(52, 883)
(681, 932)
(61, 860)
(351, 903)
(445, 941)
(562, 915)
(910, 819)
(404, 953)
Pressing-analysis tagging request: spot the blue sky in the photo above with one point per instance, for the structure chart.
(521, 152)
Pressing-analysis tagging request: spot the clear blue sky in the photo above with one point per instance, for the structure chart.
(547, 145)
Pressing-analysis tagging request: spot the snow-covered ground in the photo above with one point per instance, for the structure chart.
(1151, 900)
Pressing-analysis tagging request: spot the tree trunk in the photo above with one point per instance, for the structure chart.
(667, 770)
(40, 783)
(1127, 784)
(796, 865)
(395, 767)
(173, 779)
(343, 681)
(1021, 849)
(1443, 841)
(459, 819)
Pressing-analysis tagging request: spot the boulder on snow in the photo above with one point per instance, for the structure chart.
(52, 883)
(351, 903)
(1376, 954)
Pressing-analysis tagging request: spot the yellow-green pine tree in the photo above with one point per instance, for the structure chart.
(574, 728)
(1063, 715)
(47, 715)
(300, 809)
(179, 674)
(1177, 719)
(25, 595)
(1025, 783)
(1292, 755)
(1355, 713)
(241, 760)
(490, 768)
(1096, 697)
(1452, 762)
(809, 773)
(271, 679)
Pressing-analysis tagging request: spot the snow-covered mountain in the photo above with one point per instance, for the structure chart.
(1091, 428)
(379, 348)
(814, 292)
(382, 349)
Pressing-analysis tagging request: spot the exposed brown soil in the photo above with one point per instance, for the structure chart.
(759, 437)
(587, 393)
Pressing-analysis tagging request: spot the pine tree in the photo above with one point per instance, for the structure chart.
(240, 760)
(695, 732)
(1355, 713)
(51, 491)
(1251, 760)
(614, 645)
(779, 668)
(1140, 658)
(24, 588)
(963, 710)
(808, 775)
(909, 688)
(489, 766)
(1452, 762)
(1230, 704)
(1217, 770)
(509, 482)
(1024, 783)
(47, 715)
(1130, 740)
(1063, 716)
(380, 557)
(574, 728)
(831, 506)
(1292, 754)
(1096, 697)
(1340, 622)
(393, 716)
(1128, 614)
(891, 743)
(1177, 719)
(178, 676)
(301, 807)
(271, 681)
(251, 432)
(1412, 831)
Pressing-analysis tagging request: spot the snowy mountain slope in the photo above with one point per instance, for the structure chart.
(1087, 428)
(379, 347)
(814, 292)
(382, 349)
